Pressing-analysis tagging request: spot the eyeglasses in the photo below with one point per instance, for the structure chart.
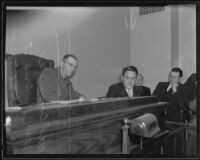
(131, 78)
(175, 77)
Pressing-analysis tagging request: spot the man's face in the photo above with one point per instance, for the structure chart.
(174, 78)
(129, 79)
(69, 67)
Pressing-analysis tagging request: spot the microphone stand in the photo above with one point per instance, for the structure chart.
(69, 91)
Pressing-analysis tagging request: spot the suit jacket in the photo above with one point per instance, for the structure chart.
(147, 91)
(118, 90)
(193, 109)
(52, 86)
(191, 86)
(177, 101)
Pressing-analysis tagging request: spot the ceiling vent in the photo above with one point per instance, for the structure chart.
(150, 9)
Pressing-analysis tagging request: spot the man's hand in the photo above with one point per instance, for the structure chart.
(175, 86)
(82, 98)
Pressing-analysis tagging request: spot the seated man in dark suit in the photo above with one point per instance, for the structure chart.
(174, 93)
(139, 82)
(127, 87)
(55, 84)
(191, 85)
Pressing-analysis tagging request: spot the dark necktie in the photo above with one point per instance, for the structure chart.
(170, 91)
(69, 88)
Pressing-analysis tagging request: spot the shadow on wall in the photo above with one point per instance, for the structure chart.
(27, 21)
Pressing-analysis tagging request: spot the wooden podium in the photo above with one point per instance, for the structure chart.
(88, 127)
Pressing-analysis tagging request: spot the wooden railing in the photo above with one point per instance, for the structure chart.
(81, 128)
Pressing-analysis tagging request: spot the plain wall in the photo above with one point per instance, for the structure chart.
(187, 40)
(104, 43)
(150, 48)
(163, 40)
(183, 26)
(97, 37)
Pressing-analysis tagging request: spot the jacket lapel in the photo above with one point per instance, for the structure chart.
(165, 86)
(163, 91)
(123, 92)
(135, 92)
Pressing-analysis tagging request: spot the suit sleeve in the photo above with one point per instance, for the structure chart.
(156, 91)
(148, 92)
(111, 92)
(181, 99)
(159, 92)
(193, 105)
(75, 94)
(46, 90)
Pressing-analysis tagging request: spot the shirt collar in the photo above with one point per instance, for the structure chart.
(168, 88)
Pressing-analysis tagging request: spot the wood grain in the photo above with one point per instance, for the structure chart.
(93, 128)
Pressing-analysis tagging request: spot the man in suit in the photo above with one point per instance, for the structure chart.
(191, 85)
(127, 87)
(139, 82)
(55, 84)
(174, 93)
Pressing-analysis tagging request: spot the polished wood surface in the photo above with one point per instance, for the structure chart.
(81, 128)
(179, 142)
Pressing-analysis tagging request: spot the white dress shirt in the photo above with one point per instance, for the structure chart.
(173, 88)
(130, 92)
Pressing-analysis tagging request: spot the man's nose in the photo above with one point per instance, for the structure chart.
(130, 81)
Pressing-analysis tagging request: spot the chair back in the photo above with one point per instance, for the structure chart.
(22, 73)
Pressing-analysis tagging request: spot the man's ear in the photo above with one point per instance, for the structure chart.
(61, 65)
(181, 79)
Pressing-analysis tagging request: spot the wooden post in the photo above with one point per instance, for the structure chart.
(181, 116)
(141, 144)
(125, 136)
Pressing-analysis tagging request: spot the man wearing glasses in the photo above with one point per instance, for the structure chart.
(174, 93)
(127, 87)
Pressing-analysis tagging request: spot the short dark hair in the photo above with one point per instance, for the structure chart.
(70, 55)
(130, 68)
(176, 69)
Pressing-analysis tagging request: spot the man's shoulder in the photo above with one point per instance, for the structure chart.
(116, 85)
(145, 87)
(182, 87)
(48, 71)
(138, 88)
(163, 84)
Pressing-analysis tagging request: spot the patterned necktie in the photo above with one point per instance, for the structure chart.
(170, 91)
(69, 88)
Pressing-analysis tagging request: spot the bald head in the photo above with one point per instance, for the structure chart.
(139, 80)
